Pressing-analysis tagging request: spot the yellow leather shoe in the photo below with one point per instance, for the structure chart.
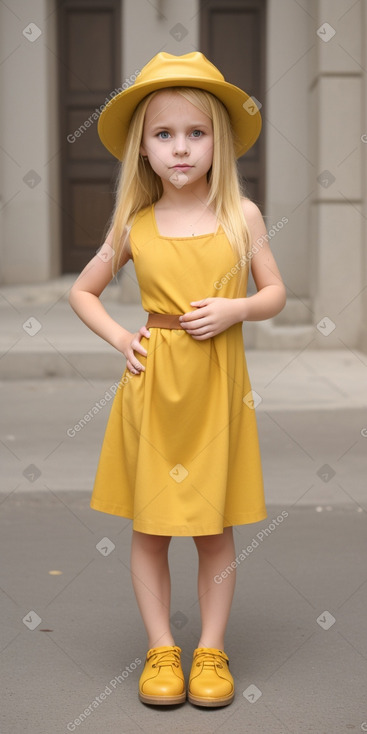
(162, 681)
(210, 683)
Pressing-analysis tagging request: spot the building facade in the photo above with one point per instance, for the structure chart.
(305, 62)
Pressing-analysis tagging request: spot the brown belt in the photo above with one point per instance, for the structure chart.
(163, 321)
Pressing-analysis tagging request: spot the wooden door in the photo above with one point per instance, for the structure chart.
(233, 37)
(89, 52)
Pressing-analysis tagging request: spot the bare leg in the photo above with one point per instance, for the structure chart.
(152, 585)
(216, 552)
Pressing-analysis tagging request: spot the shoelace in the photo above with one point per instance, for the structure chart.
(169, 657)
(210, 660)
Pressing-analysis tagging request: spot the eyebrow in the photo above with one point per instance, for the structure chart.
(192, 125)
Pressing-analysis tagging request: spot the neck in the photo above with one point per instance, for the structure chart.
(188, 197)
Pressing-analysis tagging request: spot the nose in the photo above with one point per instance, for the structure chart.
(181, 145)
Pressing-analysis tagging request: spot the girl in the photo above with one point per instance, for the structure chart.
(180, 454)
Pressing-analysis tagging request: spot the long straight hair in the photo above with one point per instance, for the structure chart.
(138, 186)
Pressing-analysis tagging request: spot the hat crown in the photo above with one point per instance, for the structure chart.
(165, 70)
(166, 66)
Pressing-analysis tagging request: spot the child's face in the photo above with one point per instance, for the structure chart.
(178, 139)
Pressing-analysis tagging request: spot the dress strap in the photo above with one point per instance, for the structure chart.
(141, 225)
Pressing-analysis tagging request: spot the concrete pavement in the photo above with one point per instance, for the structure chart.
(73, 644)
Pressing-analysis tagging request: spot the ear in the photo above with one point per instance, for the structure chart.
(142, 150)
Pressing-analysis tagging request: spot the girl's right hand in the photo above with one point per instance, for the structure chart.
(131, 345)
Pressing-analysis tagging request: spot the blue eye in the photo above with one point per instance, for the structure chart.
(197, 131)
(163, 132)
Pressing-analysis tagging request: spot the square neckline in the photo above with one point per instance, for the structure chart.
(187, 237)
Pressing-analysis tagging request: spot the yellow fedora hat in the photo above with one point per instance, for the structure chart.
(190, 70)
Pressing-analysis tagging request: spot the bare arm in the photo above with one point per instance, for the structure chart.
(84, 300)
(271, 296)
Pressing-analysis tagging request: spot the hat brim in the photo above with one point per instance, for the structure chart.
(114, 120)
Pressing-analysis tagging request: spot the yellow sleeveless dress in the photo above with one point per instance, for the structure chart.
(181, 455)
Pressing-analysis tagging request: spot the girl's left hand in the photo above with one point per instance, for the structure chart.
(212, 316)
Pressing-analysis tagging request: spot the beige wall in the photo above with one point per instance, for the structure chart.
(151, 27)
(288, 145)
(29, 228)
(363, 325)
(337, 90)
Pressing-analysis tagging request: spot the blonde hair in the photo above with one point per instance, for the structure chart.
(139, 186)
